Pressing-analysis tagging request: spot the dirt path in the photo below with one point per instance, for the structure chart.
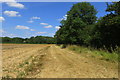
(54, 62)
(61, 63)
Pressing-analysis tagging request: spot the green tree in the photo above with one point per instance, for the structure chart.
(80, 15)
(85, 11)
(114, 8)
(109, 27)
(17, 40)
(6, 39)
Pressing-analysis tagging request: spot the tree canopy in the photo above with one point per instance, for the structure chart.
(80, 15)
(31, 40)
(84, 28)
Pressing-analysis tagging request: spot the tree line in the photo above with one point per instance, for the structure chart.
(31, 40)
(82, 27)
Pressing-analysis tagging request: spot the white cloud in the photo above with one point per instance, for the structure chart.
(57, 27)
(32, 30)
(49, 26)
(2, 19)
(12, 13)
(35, 17)
(51, 34)
(41, 32)
(44, 23)
(22, 27)
(30, 21)
(15, 4)
(7, 0)
(2, 31)
(63, 18)
(11, 35)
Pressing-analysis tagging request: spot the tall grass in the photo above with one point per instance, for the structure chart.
(102, 54)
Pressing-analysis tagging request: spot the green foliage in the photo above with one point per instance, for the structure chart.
(80, 15)
(101, 54)
(63, 46)
(85, 11)
(6, 39)
(17, 40)
(109, 28)
(81, 27)
(114, 7)
(31, 40)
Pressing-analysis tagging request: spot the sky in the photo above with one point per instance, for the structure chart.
(26, 19)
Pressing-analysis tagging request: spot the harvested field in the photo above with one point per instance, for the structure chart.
(50, 61)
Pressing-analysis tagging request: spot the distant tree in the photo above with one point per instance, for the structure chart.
(32, 40)
(17, 40)
(6, 40)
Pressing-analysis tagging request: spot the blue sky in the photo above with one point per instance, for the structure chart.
(26, 19)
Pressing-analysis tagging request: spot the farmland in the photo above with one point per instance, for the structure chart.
(50, 61)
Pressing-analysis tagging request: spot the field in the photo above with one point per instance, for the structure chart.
(50, 61)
